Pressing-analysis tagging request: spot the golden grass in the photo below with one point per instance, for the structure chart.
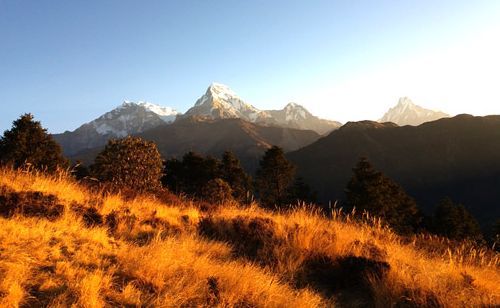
(154, 254)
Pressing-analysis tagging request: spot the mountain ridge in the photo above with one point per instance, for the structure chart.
(456, 157)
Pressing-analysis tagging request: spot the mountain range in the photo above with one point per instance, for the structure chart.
(217, 104)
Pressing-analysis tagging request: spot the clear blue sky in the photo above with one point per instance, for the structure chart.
(70, 61)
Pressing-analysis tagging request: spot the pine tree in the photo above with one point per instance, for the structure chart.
(455, 222)
(173, 175)
(129, 162)
(377, 194)
(28, 143)
(274, 177)
(217, 191)
(232, 172)
(300, 191)
(190, 175)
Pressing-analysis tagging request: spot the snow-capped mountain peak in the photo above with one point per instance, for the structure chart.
(407, 113)
(219, 101)
(295, 112)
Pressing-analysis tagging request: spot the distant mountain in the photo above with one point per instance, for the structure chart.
(127, 119)
(407, 113)
(457, 157)
(220, 102)
(248, 140)
(296, 116)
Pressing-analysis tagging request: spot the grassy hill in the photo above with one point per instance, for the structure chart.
(62, 244)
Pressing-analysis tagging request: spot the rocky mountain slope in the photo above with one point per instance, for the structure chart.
(407, 113)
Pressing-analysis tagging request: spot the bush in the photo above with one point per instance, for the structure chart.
(29, 203)
(130, 162)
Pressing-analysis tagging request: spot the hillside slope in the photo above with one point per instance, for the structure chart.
(63, 245)
(457, 157)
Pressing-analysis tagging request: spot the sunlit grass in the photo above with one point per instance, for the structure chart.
(155, 255)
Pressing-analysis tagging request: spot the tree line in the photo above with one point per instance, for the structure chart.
(137, 164)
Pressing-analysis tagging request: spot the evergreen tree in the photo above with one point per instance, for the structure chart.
(300, 191)
(217, 191)
(372, 191)
(129, 162)
(190, 175)
(173, 175)
(274, 177)
(197, 171)
(232, 172)
(455, 222)
(28, 143)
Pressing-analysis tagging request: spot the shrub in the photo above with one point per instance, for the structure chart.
(129, 162)
(29, 203)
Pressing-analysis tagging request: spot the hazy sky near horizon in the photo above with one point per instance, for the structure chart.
(68, 62)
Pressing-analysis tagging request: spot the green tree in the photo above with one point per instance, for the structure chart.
(217, 191)
(28, 143)
(232, 172)
(455, 222)
(173, 175)
(300, 191)
(129, 162)
(190, 175)
(377, 194)
(274, 177)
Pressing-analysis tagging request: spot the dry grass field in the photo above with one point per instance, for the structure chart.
(63, 244)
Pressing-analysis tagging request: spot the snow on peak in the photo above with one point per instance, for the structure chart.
(167, 114)
(405, 101)
(295, 112)
(221, 90)
(219, 101)
(133, 117)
